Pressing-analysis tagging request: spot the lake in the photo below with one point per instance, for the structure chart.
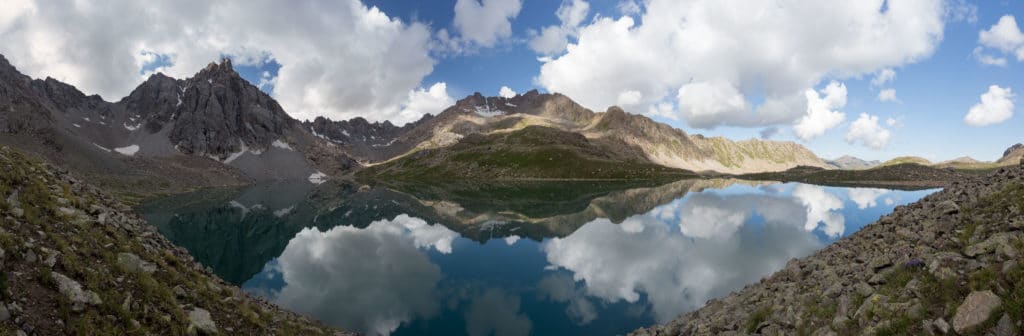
(538, 258)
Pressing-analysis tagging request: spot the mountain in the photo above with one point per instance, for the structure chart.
(850, 162)
(906, 159)
(621, 134)
(214, 128)
(531, 152)
(1012, 155)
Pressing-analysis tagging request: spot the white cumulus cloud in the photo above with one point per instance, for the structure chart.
(423, 101)
(553, 39)
(887, 95)
(868, 132)
(986, 59)
(1004, 36)
(743, 47)
(487, 22)
(996, 106)
(338, 59)
(822, 113)
(709, 104)
(884, 76)
(506, 92)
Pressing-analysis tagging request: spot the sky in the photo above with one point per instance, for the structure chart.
(872, 78)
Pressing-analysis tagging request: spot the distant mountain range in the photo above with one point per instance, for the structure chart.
(850, 162)
(215, 128)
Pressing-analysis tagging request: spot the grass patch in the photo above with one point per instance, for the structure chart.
(899, 325)
(756, 318)
(983, 279)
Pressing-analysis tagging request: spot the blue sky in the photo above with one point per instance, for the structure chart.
(733, 68)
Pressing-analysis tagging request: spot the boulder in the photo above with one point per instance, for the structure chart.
(74, 292)
(977, 308)
(948, 207)
(998, 243)
(200, 322)
(133, 264)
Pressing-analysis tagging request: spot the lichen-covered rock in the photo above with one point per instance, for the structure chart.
(73, 291)
(132, 263)
(977, 308)
(201, 322)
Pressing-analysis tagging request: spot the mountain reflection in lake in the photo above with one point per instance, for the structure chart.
(509, 259)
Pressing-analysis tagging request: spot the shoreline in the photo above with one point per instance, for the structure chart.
(917, 270)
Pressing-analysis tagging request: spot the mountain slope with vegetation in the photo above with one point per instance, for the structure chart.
(850, 162)
(75, 261)
(906, 159)
(949, 263)
(625, 134)
(904, 175)
(534, 152)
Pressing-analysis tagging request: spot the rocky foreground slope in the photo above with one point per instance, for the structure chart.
(947, 264)
(75, 261)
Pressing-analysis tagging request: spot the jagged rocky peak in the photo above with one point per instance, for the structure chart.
(215, 70)
(221, 113)
(154, 102)
(66, 97)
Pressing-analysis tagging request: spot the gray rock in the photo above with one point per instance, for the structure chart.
(1004, 327)
(133, 264)
(948, 207)
(67, 211)
(20, 333)
(1008, 266)
(4, 314)
(74, 292)
(941, 326)
(879, 262)
(1000, 242)
(200, 322)
(30, 257)
(975, 310)
(863, 288)
(17, 212)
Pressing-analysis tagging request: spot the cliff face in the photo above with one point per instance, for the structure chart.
(947, 263)
(75, 261)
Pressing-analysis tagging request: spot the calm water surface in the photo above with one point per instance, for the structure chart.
(579, 258)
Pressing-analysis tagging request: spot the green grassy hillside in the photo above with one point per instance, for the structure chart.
(534, 152)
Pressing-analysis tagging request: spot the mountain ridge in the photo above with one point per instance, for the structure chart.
(218, 115)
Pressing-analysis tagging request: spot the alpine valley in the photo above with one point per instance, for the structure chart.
(200, 206)
(217, 129)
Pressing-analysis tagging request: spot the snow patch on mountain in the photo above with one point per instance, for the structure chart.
(129, 150)
(318, 178)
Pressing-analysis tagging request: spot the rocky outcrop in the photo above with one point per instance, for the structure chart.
(76, 261)
(220, 113)
(947, 263)
(1012, 155)
(977, 308)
